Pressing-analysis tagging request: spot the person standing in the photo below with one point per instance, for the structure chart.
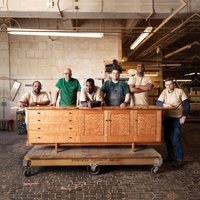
(172, 97)
(140, 86)
(116, 92)
(68, 88)
(91, 96)
(34, 98)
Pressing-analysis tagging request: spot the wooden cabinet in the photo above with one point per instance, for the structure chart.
(97, 126)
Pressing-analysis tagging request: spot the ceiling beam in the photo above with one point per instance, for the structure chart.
(164, 22)
(188, 46)
(178, 32)
(84, 15)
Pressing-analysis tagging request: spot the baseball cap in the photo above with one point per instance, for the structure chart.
(118, 68)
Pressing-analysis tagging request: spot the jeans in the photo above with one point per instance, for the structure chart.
(172, 138)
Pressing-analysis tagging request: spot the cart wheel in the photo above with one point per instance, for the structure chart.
(27, 172)
(93, 169)
(154, 170)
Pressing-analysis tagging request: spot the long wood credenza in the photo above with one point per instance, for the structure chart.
(70, 126)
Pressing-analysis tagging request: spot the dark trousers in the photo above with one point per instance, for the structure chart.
(172, 138)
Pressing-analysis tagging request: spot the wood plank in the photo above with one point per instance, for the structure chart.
(85, 162)
(91, 152)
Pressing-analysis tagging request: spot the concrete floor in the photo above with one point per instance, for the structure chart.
(116, 182)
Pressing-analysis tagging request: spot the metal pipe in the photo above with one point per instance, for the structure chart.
(61, 13)
(189, 46)
(178, 51)
(152, 11)
(102, 5)
(165, 38)
(161, 25)
(9, 62)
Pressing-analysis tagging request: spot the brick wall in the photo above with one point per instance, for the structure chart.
(42, 58)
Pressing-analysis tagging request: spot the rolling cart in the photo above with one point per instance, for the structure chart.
(65, 137)
(20, 122)
(91, 157)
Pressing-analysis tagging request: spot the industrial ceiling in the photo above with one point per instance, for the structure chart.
(173, 45)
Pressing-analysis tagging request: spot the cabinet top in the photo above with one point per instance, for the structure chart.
(149, 107)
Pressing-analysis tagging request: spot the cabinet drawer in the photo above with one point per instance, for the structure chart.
(53, 115)
(71, 129)
(46, 137)
(44, 127)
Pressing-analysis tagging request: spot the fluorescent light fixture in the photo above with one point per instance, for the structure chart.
(151, 74)
(183, 80)
(192, 73)
(165, 65)
(146, 32)
(62, 33)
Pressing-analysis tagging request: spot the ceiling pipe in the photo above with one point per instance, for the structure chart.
(61, 13)
(161, 25)
(167, 37)
(189, 46)
(102, 5)
(178, 51)
(152, 11)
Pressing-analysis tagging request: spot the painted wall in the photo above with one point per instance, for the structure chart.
(42, 58)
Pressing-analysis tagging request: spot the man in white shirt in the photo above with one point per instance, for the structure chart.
(91, 95)
(139, 86)
(34, 98)
(172, 97)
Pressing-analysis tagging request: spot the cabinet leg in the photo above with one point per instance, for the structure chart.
(56, 148)
(133, 147)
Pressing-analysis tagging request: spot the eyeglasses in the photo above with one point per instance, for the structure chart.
(169, 84)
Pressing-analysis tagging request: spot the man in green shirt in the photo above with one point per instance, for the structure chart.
(116, 92)
(69, 89)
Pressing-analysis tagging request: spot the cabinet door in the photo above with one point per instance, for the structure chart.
(92, 126)
(148, 126)
(118, 126)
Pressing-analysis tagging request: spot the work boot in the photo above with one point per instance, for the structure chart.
(177, 163)
(168, 159)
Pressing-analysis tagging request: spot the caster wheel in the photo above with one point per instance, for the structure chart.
(93, 169)
(27, 172)
(154, 170)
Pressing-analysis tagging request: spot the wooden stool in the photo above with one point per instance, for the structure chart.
(6, 125)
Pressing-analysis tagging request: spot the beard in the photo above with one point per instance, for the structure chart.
(37, 91)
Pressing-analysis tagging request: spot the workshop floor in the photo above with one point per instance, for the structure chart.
(116, 182)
